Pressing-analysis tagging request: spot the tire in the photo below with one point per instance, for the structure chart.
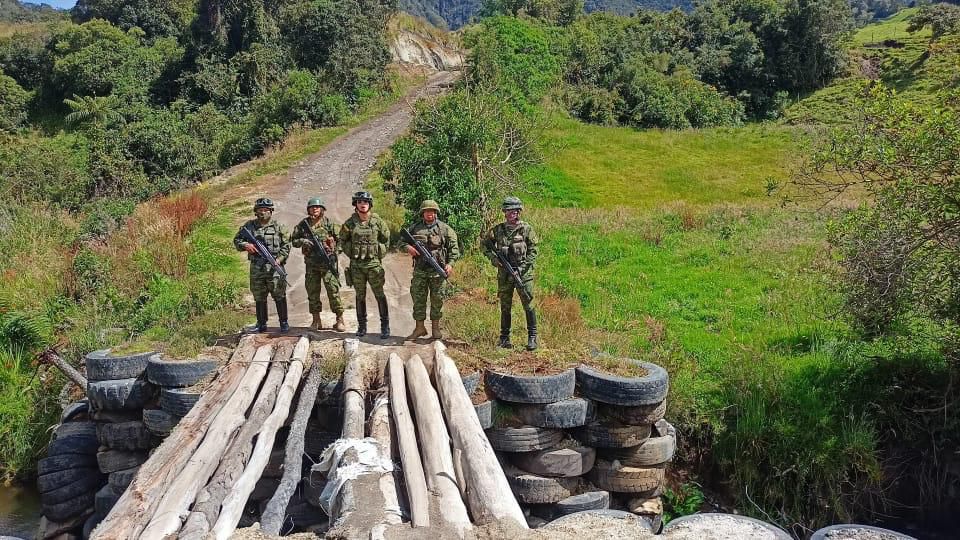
(56, 480)
(821, 534)
(611, 434)
(119, 480)
(659, 448)
(264, 489)
(471, 382)
(178, 401)
(557, 462)
(105, 499)
(535, 522)
(120, 394)
(315, 442)
(645, 480)
(178, 373)
(485, 414)
(75, 409)
(523, 439)
(636, 416)
(159, 422)
(103, 366)
(65, 510)
(311, 491)
(125, 436)
(85, 484)
(63, 462)
(90, 524)
(569, 413)
(533, 489)
(568, 519)
(624, 391)
(117, 460)
(533, 389)
(592, 500)
(689, 523)
(74, 438)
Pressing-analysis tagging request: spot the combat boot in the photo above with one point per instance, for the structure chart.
(505, 324)
(361, 319)
(435, 330)
(340, 326)
(531, 329)
(419, 331)
(282, 315)
(317, 323)
(384, 317)
(261, 325)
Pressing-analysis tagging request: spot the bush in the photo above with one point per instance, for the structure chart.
(54, 169)
(593, 104)
(13, 103)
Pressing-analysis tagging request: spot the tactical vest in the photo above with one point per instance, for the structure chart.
(512, 243)
(364, 241)
(269, 234)
(432, 237)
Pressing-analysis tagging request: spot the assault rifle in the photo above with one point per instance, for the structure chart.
(265, 253)
(320, 251)
(422, 250)
(514, 275)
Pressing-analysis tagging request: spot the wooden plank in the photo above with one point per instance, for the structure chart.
(354, 391)
(382, 430)
(407, 442)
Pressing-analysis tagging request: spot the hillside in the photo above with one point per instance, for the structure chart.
(455, 13)
(14, 11)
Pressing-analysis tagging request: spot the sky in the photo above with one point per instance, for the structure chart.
(62, 4)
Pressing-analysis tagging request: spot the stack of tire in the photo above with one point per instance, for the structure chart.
(581, 440)
(118, 390)
(177, 380)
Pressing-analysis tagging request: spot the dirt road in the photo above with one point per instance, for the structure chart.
(335, 173)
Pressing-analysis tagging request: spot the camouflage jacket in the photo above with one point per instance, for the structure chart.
(365, 241)
(273, 235)
(440, 240)
(519, 244)
(326, 232)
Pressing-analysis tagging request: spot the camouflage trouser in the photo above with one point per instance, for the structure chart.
(423, 284)
(264, 280)
(362, 275)
(505, 288)
(316, 278)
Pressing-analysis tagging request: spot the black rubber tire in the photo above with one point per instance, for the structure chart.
(105, 499)
(535, 522)
(635, 416)
(646, 480)
(178, 373)
(533, 489)
(75, 409)
(532, 389)
(119, 480)
(625, 391)
(557, 462)
(659, 448)
(159, 422)
(90, 524)
(116, 417)
(85, 484)
(264, 489)
(471, 382)
(65, 510)
(178, 401)
(63, 462)
(58, 479)
(569, 413)
(125, 436)
(315, 442)
(592, 500)
(642, 521)
(485, 414)
(523, 439)
(821, 534)
(120, 394)
(611, 434)
(117, 460)
(776, 532)
(102, 366)
(330, 393)
(74, 438)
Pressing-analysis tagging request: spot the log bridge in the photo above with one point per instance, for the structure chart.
(411, 452)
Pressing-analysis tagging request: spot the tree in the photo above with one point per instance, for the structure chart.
(92, 109)
(13, 104)
(156, 18)
(942, 19)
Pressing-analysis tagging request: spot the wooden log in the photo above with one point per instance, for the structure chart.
(488, 492)
(181, 493)
(50, 356)
(407, 442)
(272, 517)
(382, 430)
(206, 509)
(136, 506)
(435, 446)
(354, 390)
(233, 503)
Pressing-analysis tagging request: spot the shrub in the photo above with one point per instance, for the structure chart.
(54, 169)
(13, 103)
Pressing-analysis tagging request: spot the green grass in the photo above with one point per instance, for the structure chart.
(893, 27)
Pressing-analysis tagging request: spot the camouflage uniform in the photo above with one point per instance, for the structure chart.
(365, 243)
(519, 244)
(318, 275)
(264, 280)
(441, 240)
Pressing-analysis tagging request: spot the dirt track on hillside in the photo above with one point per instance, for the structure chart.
(335, 173)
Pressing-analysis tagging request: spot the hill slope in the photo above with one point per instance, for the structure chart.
(456, 13)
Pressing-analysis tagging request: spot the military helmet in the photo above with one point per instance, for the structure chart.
(512, 203)
(429, 204)
(263, 202)
(316, 201)
(362, 196)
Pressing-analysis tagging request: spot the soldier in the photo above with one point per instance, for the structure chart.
(516, 240)
(263, 278)
(364, 239)
(441, 241)
(318, 274)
